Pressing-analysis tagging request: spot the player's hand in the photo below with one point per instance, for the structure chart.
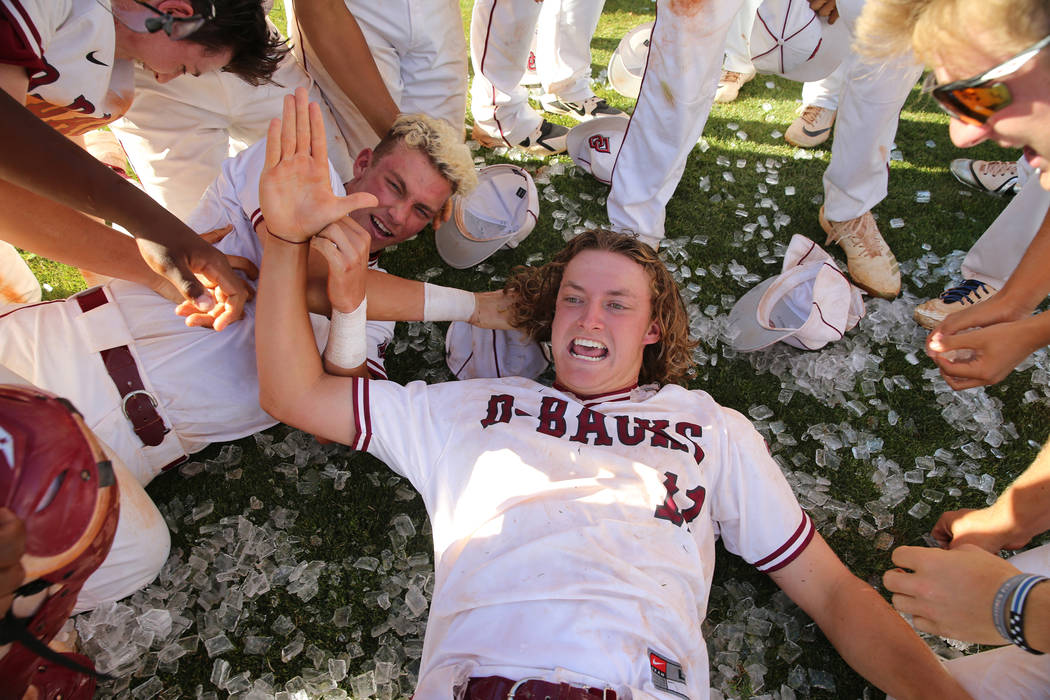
(345, 246)
(491, 310)
(12, 547)
(949, 592)
(981, 356)
(989, 528)
(194, 260)
(825, 8)
(223, 312)
(295, 193)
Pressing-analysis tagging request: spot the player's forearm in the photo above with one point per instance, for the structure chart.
(880, 645)
(288, 360)
(54, 231)
(1024, 507)
(338, 41)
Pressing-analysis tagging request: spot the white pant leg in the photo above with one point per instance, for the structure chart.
(140, 547)
(563, 47)
(738, 42)
(1008, 673)
(434, 69)
(678, 88)
(500, 34)
(869, 109)
(996, 254)
(177, 134)
(18, 284)
(825, 93)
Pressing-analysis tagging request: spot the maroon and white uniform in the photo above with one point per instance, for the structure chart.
(67, 47)
(575, 538)
(205, 383)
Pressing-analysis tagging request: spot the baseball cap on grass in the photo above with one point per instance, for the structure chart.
(627, 64)
(790, 39)
(474, 353)
(810, 304)
(501, 211)
(594, 145)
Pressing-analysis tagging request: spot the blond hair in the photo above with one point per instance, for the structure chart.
(535, 291)
(441, 143)
(937, 29)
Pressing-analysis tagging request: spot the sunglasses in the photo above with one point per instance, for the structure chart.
(974, 100)
(175, 27)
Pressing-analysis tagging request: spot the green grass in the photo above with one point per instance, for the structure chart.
(339, 526)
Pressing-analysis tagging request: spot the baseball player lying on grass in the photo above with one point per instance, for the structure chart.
(574, 525)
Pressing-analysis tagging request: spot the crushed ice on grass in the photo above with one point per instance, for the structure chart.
(216, 597)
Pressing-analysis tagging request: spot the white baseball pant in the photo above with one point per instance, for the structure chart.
(825, 93)
(177, 134)
(420, 51)
(996, 254)
(18, 284)
(501, 33)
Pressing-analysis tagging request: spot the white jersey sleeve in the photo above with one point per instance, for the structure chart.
(413, 423)
(758, 516)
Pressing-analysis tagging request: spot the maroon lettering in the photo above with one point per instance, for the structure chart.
(668, 510)
(552, 416)
(499, 410)
(697, 496)
(624, 434)
(592, 422)
(688, 430)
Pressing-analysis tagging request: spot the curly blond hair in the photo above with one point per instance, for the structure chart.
(441, 143)
(938, 29)
(535, 291)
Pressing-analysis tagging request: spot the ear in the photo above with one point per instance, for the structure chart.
(179, 8)
(652, 335)
(364, 159)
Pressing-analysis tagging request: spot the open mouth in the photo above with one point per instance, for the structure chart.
(590, 350)
(383, 230)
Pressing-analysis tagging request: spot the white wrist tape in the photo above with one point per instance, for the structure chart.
(347, 338)
(446, 304)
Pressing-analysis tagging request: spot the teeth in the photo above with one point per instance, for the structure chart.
(382, 229)
(588, 343)
(585, 343)
(587, 357)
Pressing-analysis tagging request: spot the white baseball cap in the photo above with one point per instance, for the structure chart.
(501, 211)
(808, 305)
(594, 145)
(790, 39)
(627, 64)
(474, 353)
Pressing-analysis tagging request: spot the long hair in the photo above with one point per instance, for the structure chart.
(241, 27)
(535, 292)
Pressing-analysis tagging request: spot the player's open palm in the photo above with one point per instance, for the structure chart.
(295, 193)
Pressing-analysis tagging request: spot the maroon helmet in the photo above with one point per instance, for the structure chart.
(56, 477)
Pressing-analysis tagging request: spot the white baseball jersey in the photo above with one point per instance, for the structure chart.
(500, 36)
(574, 538)
(206, 383)
(67, 48)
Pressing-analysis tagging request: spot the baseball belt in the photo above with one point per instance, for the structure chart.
(139, 406)
(499, 688)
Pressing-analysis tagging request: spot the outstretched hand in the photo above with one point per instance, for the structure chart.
(294, 192)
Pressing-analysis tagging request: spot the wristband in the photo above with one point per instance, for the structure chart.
(1015, 622)
(447, 304)
(282, 238)
(347, 340)
(999, 604)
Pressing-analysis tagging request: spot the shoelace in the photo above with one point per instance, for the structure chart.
(730, 76)
(810, 114)
(996, 168)
(963, 291)
(854, 233)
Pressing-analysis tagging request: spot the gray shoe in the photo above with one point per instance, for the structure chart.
(998, 177)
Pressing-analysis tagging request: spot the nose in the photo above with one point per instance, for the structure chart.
(165, 77)
(965, 135)
(592, 316)
(399, 212)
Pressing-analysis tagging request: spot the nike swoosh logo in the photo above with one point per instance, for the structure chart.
(818, 132)
(94, 60)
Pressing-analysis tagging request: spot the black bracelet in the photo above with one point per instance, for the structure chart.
(1018, 600)
(281, 238)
